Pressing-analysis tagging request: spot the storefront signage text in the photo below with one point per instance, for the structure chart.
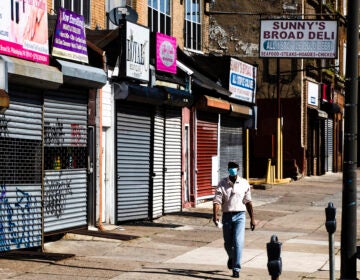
(313, 94)
(69, 38)
(242, 81)
(165, 53)
(24, 30)
(137, 51)
(298, 38)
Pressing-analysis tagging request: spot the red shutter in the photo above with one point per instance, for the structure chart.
(207, 133)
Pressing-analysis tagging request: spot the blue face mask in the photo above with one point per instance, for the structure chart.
(232, 171)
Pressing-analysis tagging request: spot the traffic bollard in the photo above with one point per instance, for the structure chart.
(274, 264)
(330, 225)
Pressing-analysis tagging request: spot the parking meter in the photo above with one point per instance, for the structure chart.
(330, 213)
(274, 260)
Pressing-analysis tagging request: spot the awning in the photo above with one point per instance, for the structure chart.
(209, 103)
(137, 93)
(176, 97)
(82, 75)
(240, 110)
(330, 108)
(27, 73)
(317, 113)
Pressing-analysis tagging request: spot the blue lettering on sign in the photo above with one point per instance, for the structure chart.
(241, 81)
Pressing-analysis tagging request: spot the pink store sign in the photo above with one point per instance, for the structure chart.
(24, 29)
(165, 53)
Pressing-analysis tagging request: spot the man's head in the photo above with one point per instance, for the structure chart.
(233, 164)
(233, 168)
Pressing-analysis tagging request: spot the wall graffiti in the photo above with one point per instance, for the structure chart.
(56, 193)
(53, 133)
(4, 130)
(17, 219)
(78, 135)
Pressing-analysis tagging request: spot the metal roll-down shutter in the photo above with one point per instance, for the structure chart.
(65, 160)
(20, 172)
(133, 153)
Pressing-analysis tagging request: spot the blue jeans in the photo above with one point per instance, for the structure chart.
(234, 234)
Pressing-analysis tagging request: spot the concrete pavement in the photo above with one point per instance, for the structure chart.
(188, 246)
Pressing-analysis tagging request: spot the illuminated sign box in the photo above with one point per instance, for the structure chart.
(24, 30)
(298, 38)
(165, 53)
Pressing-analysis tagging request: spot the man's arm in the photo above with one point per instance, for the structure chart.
(216, 208)
(250, 210)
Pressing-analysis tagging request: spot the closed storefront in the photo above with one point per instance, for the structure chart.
(20, 171)
(133, 165)
(231, 144)
(65, 159)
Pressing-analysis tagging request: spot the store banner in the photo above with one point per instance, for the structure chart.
(242, 81)
(69, 37)
(24, 29)
(165, 53)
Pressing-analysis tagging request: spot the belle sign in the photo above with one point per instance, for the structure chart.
(298, 38)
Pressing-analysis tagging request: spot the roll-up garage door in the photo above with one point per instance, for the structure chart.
(158, 174)
(20, 172)
(133, 146)
(231, 144)
(329, 143)
(206, 144)
(172, 188)
(65, 160)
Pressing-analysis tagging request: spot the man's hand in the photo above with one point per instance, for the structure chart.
(252, 224)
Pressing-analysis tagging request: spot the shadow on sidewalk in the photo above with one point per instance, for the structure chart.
(34, 255)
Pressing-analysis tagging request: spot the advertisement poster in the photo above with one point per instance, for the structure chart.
(24, 29)
(165, 53)
(137, 51)
(69, 37)
(242, 81)
(298, 38)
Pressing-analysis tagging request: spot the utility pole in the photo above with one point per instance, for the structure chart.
(349, 204)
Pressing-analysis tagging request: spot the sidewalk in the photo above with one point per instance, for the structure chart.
(188, 246)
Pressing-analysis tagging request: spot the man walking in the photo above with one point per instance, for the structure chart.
(234, 197)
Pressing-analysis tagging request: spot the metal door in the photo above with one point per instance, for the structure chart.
(158, 165)
(329, 145)
(20, 172)
(133, 153)
(231, 144)
(172, 182)
(206, 145)
(65, 160)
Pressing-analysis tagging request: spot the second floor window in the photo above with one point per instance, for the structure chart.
(79, 7)
(192, 25)
(159, 18)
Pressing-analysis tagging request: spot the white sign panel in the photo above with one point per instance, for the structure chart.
(298, 38)
(313, 94)
(242, 80)
(137, 51)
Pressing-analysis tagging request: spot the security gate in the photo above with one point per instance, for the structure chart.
(133, 152)
(20, 172)
(65, 160)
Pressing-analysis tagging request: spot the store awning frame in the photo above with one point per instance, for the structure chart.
(240, 110)
(138, 93)
(82, 75)
(209, 103)
(27, 73)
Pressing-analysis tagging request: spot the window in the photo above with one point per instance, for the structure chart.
(192, 34)
(159, 19)
(79, 7)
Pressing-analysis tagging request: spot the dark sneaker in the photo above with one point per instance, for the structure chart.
(229, 264)
(235, 274)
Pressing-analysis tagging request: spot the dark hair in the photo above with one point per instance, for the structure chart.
(233, 164)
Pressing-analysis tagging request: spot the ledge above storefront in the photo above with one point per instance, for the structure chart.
(32, 74)
(82, 75)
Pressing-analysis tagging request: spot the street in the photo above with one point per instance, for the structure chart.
(187, 245)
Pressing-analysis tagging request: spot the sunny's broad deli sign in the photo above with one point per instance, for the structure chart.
(298, 38)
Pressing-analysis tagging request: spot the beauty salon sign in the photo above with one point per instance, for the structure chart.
(165, 53)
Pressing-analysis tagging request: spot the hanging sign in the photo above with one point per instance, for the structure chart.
(69, 37)
(165, 53)
(24, 30)
(298, 38)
